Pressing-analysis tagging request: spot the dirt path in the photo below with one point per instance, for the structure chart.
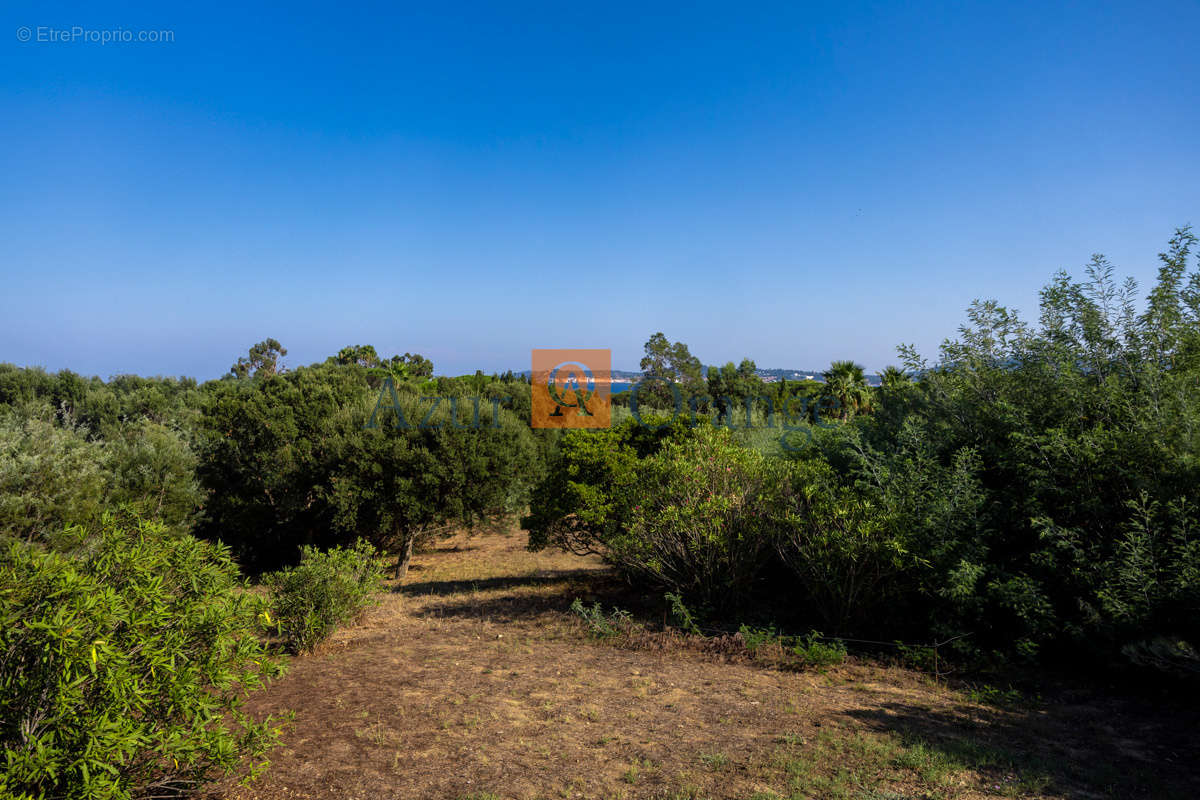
(471, 682)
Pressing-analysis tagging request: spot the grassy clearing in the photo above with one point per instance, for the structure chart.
(473, 681)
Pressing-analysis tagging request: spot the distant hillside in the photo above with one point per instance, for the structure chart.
(770, 375)
(779, 373)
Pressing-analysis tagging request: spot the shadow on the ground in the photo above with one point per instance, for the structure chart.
(544, 578)
(505, 608)
(510, 598)
(1079, 755)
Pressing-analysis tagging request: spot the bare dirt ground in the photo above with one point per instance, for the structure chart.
(472, 681)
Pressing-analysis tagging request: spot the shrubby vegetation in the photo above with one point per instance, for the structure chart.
(698, 523)
(1032, 493)
(124, 657)
(463, 461)
(324, 590)
(57, 474)
(128, 643)
(51, 477)
(1036, 488)
(320, 456)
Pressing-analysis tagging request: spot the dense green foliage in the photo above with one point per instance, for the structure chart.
(51, 476)
(55, 474)
(267, 461)
(324, 590)
(1084, 436)
(265, 456)
(1036, 489)
(1033, 495)
(462, 459)
(586, 498)
(699, 512)
(124, 656)
(319, 456)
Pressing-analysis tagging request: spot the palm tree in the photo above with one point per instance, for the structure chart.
(846, 385)
(893, 379)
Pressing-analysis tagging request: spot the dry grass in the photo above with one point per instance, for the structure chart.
(472, 682)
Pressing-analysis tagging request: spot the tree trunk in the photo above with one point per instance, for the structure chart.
(405, 557)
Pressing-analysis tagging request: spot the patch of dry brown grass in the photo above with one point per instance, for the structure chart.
(472, 681)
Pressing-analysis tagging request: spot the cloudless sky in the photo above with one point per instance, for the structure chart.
(792, 182)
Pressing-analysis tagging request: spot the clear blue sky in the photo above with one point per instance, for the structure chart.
(792, 182)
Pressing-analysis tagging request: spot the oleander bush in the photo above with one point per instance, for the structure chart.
(326, 589)
(125, 655)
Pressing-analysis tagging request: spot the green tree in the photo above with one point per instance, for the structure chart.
(413, 365)
(363, 355)
(265, 450)
(894, 379)
(697, 519)
(154, 473)
(732, 387)
(421, 467)
(846, 386)
(1085, 428)
(262, 360)
(672, 363)
(584, 499)
(318, 457)
(51, 477)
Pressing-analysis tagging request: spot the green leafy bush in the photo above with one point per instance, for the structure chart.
(840, 546)
(51, 477)
(317, 456)
(154, 472)
(1078, 532)
(700, 518)
(460, 460)
(54, 475)
(583, 502)
(323, 591)
(124, 657)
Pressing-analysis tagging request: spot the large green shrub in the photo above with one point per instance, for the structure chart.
(1078, 534)
(453, 461)
(51, 476)
(879, 539)
(319, 457)
(266, 456)
(846, 549)
(700, 519)
(584, 499)
(154, 472)
(124, 658)
(54, 475)
(323, 591)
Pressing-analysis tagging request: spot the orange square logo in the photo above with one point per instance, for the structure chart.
(572, 388)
